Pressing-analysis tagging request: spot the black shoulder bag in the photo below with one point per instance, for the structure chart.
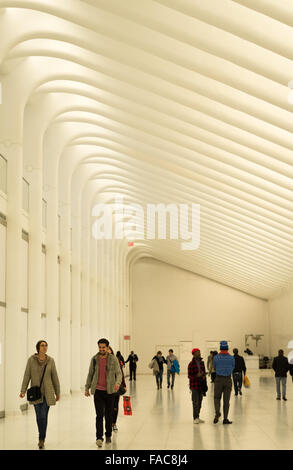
(34, 393)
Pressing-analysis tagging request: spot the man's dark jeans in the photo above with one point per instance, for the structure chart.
(132, 371)
(237, 380)
(168, 377)
(104, 403)
(115, 408)
(159, 378)
(42, 410)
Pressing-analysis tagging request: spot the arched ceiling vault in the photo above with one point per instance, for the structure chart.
(177, 101)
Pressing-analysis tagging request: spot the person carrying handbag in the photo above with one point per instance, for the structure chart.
(157, 366)
(45, 387)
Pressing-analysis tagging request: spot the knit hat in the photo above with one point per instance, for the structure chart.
(194, 349)
(224, 346)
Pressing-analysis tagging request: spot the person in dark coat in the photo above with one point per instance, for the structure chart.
(117, 394)
(120, 358)
(281, 367)
(161, 361)
(132, 359)
(238, 372)
(197, 383)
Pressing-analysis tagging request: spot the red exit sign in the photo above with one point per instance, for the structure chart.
(127, 337)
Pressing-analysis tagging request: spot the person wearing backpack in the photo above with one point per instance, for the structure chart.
(103, 380)
(172, 362)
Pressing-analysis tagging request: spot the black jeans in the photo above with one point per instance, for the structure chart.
(42, 410)
(159, 378)
(104, 405)
(132, 370)
(196, 402)
(237, 379)
(115, 408)
(213, 377)
(168, 377)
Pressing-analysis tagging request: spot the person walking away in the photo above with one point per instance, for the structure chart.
(209, 362)
(238, 372)
(281, 366)
(159, 358)
(197, 378)
(132, 359)
(103, 381)
(117, 394)
(41, 365)
(224, 364)
(120, 358)
(212, 370)
(171, 358)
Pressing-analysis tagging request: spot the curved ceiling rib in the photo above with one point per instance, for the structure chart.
(178, 102)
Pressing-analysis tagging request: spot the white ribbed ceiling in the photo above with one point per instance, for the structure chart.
(181, 101)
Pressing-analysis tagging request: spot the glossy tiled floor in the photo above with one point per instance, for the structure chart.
(163, 420)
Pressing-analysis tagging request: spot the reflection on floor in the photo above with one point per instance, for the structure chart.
(163, 420)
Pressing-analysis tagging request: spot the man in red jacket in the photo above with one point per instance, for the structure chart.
(196, 375)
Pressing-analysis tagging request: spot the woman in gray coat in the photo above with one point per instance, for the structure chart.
(50, 388)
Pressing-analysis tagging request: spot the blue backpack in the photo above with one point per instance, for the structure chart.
(175, 367)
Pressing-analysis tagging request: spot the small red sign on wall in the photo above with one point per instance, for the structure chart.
(130, 244)
(127, 337)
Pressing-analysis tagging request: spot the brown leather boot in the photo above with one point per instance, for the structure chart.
(41, 444)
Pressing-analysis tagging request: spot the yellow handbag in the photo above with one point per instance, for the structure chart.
(246, 382)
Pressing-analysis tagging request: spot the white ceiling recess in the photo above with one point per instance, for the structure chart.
(185, 101)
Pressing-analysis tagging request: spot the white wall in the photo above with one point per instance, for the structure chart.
(2, 313)
(3, 261)
(281, 322)
(171, 306)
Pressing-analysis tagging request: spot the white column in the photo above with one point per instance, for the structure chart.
(100, 261)
(85, 305)
(32, 156)
(115, 267)
(76, 379)
(14, 337)
(106, 311)
(11, 149)
(65, 293)
(52, 276)
(93, 295)
(50, 178)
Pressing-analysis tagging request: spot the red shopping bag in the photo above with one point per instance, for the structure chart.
(127, 406)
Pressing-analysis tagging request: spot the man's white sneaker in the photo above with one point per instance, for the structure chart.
(99, 442)
(198, 421)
